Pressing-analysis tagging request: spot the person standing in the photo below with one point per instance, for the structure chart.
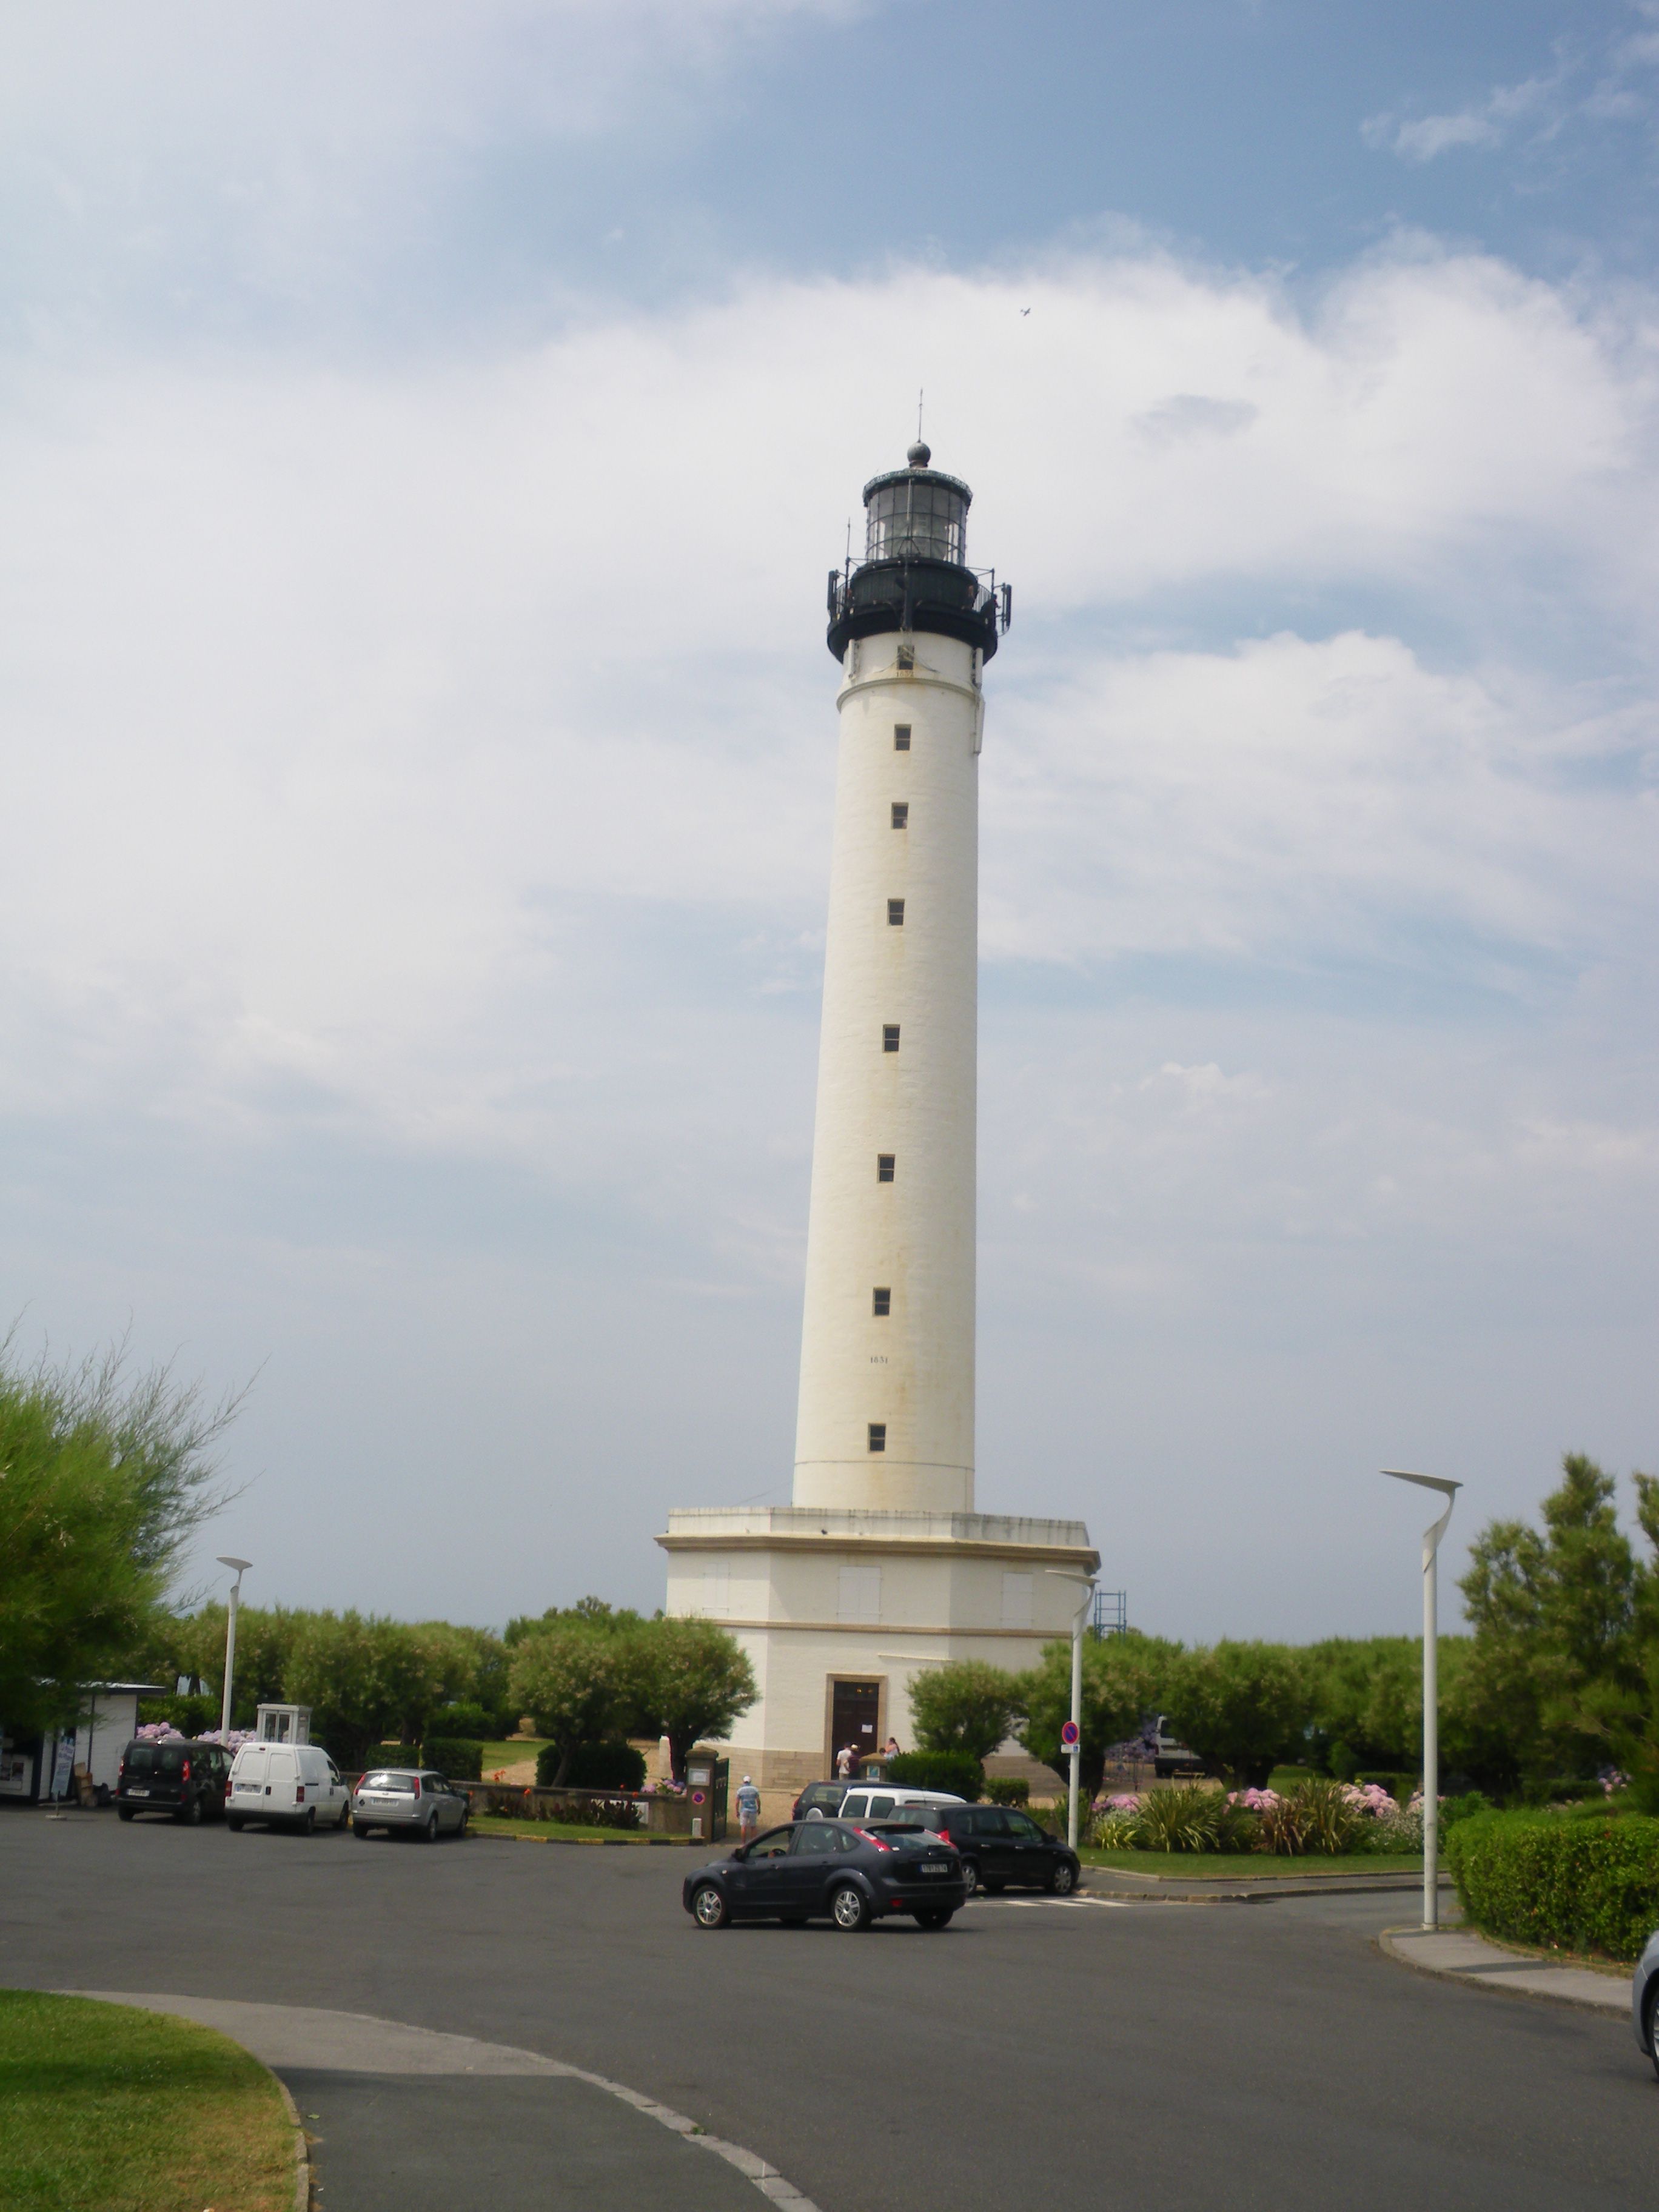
(748, 1805)
(892, 1749)
(844, 1763)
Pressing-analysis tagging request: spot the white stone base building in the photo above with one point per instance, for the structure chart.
(839, 1611)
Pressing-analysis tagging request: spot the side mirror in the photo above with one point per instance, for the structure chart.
(741, 1852)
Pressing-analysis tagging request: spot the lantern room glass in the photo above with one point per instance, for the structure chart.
(915, 517)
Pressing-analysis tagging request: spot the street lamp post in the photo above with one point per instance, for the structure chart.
(242, 1567)
(1431, 1536)
(1078, 1624)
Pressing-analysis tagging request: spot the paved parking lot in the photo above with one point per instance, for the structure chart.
(1205, 2056)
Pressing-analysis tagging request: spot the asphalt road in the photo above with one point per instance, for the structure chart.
(1208, 2057)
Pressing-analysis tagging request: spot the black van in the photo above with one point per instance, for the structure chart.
(1003, 1848)
(185, 1780)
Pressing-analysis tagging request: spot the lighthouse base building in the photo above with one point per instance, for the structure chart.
(840, 1610)
(881, 1569)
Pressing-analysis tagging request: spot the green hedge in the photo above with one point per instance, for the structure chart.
(460, 1762)
(593, 1766)
(1004, 1789)
(953, 1771)
(1576, 1885)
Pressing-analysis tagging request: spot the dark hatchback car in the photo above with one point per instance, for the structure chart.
(1002, 1848)
(188, 1781)
(826, 1870)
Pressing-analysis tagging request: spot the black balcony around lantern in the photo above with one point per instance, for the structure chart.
(915, 574)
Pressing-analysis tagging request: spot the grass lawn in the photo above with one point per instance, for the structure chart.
(508, 1755)
(106, 2108)
(1254, 1866)
(556, 1831)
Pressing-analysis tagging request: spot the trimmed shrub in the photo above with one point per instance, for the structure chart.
(461, 1762)
(1008, 1790)
(1565, 1883)
(603, 1766)
(951, 1771)
(467, 1723)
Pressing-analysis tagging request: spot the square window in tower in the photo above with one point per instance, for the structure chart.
(907, 656)
(896, 914)
(885, 1166)
(890, 1036)
(901, 737)
(883, 1303)
(878, 1436)
(901, 814)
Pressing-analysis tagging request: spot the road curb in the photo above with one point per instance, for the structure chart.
(302, 2174)
(1280, 1892)
(1610, 2008)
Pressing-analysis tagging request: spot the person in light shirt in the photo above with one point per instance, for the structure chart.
(748, 1809)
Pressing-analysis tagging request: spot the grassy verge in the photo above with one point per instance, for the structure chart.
(556, 1831)
(1252, 1866)
(508, 1755)
(108, 2109)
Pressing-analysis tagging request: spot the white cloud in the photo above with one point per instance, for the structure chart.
(424, 774)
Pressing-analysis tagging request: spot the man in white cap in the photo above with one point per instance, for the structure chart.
(747, 1802)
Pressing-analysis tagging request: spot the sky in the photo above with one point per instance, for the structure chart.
(425, 431)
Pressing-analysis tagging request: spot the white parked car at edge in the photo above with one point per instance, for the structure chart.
(287, 1785)
(1645, 2000)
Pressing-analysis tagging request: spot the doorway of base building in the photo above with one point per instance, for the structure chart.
(854, 1718)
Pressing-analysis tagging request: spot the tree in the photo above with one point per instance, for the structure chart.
(693, 1681)
(360, 1676)
(1123, 1679)
(1242, 1707)
(580, 1684)
(965, 1705)
(103, 1479)
(1563, 1618)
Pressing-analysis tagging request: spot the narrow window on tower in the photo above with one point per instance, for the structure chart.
(883, 1304)
(901, 737)
(907, 656)
(901, 814)
(878, 1436)
(885, 1166)
(896, 914)
(890, 1036)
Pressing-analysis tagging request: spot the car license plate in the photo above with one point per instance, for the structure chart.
(248, 1788)
(137, 1793)
(935, 1866)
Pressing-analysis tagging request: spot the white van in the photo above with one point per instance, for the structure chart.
(293, 1785)
(890, 1801)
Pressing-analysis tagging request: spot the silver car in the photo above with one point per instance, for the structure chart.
(410, 1798)
(1645, 2000)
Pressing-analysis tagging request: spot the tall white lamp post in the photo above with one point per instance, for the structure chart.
(242, 1567)
(1430, 1690)
(1078, 1624)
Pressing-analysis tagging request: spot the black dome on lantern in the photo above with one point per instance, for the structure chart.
(915, 574)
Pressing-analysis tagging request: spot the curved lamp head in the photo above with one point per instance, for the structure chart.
(1449, 1490)
(240, 1566)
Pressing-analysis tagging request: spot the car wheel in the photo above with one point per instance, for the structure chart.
(935, 1917)
(1653, 2024)
(1062, 1880)
(709, 1907)
(849, 1909)
(970, 1880)
(189, 1814)
(360, 1830)
(460, 1832)
(233, 1821)
(308, 1826)
(123, 1812)
(430, 1833)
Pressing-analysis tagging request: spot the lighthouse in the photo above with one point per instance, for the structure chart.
(886, 1407)
(881, 1567)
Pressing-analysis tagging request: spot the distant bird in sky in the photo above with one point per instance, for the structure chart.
(1025, 311)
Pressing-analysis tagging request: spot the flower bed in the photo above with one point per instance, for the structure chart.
(1563, 1882)
(1314, 1818)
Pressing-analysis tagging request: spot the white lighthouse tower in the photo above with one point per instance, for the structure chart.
(881, 1567)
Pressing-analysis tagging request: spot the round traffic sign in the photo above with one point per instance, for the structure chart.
(1068, 1734)
(696, 1797)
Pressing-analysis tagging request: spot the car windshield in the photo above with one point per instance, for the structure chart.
(404, 1784)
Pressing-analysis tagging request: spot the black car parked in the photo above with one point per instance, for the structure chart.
(826, 1870)
(1002, 1848)
(185, 1780)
